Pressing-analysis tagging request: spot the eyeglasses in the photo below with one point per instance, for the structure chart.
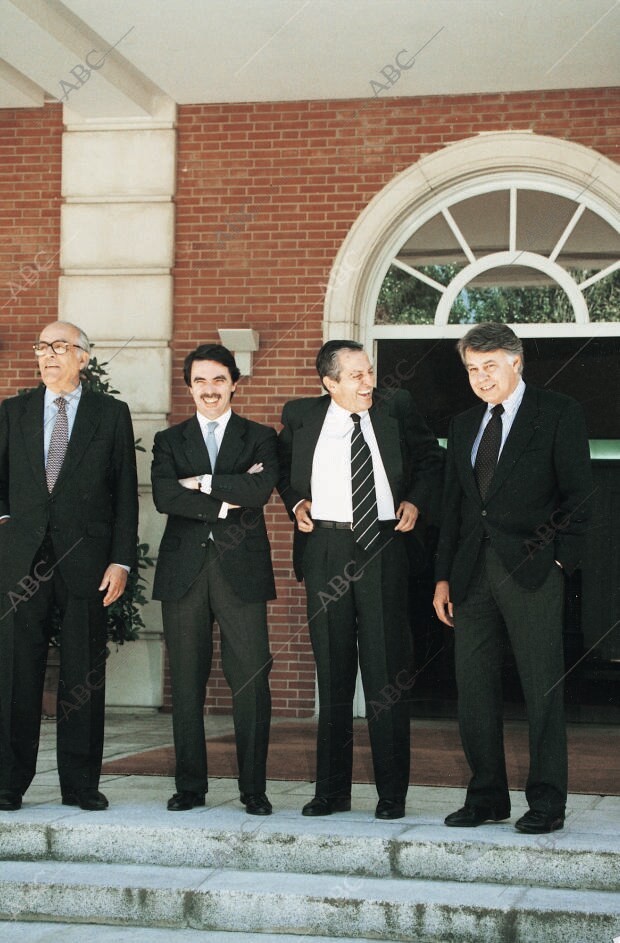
(57, 347)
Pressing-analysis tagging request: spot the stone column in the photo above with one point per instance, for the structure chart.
(117, 252)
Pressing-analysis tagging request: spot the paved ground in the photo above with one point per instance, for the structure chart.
(128, 733)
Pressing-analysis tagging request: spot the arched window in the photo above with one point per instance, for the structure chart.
(518, 252)
(506, 209)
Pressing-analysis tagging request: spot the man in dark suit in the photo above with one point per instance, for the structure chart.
(212, 474)
(516, 496)
(69, 516)
(356, 471)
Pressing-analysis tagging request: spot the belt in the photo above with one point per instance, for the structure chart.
(334, 525)
(347, 525)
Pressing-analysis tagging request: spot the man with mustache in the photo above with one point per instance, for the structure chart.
(69, 515)
(211, 475)
(357, 469)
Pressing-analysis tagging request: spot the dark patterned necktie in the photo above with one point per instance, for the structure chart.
(488, 451)
(365, 519)
(58, 444)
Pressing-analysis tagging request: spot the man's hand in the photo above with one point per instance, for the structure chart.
(114, 580)
(443, 607)
(302, 515)
(3, 520)
(192, 483)
(407, 515)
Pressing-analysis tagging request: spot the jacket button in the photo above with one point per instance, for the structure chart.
(203, 544)
(484, 513)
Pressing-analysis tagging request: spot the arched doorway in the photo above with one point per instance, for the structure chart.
(509, 208)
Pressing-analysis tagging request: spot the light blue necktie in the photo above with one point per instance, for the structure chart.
(212, 443)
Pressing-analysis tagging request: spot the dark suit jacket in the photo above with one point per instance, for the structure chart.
(536, 507)
(92, 513)
(410, 453)
(241, 538)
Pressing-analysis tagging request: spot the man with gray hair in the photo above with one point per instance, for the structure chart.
(358, 469)
(69, 518)
(518, 481)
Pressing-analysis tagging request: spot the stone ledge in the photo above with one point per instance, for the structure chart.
(315, 904)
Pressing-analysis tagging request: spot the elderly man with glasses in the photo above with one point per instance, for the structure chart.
(69, 517)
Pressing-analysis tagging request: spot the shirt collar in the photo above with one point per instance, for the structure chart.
(512, 403)
(222, 421)
(72, 398)
(344, 415)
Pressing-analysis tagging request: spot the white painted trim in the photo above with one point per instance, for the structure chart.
(476, 165)
(528, 259)
(426, 331)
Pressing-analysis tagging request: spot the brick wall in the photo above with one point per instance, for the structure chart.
(30, 164)
(266, 195)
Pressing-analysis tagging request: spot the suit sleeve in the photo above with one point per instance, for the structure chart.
(571, 456)
(285, 458)
(251, 491)
(450, 516)
(169, 496)
(4, 462)
(125, 531)
(426, 460)
(243, 489)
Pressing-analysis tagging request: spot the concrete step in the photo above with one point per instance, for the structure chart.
(304, 904)
(25, 932)
(578, 857)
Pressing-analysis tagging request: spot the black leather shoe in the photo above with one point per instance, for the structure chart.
(10, 801)
(91, 800)
(471, 815)
(184, 800)
(256, 803)
(390, 809)
(537, 823)
(321, 805)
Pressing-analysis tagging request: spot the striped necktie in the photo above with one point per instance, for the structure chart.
(488, 451)
(365, 519)
(58, 444)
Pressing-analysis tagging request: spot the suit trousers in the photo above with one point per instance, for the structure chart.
(246, 661)
(357, 607)
(496, 606)
(25, 629)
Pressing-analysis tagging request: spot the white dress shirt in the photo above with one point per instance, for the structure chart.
(331, 468)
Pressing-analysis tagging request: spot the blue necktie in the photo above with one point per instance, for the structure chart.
(212, 443)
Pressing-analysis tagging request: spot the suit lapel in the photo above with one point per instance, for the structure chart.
(387, 434)
(470, 424)
(32, 430)
(523, 428)
(232, 444)
(306, 438)
(195, 447)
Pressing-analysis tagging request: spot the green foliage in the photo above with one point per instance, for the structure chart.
(404, 299)
(124, 616)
